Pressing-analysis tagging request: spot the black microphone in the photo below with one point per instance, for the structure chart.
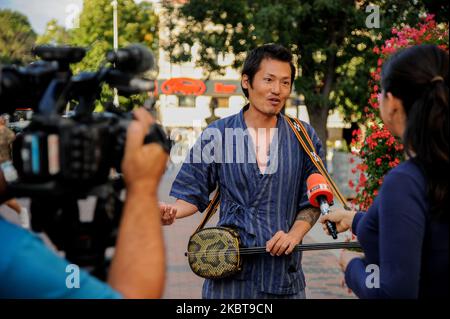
(135, 58)
(320, 195)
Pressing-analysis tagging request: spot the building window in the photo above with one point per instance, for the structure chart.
(186, 101)
(222, 102)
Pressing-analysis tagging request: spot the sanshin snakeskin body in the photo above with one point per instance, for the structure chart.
(214, 252)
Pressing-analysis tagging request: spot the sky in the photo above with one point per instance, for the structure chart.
(39, 12)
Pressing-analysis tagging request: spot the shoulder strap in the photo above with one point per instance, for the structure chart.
(210, 210)
(305, 141)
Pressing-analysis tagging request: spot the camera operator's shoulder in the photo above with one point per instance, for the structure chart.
(12, 237)
(7, 227)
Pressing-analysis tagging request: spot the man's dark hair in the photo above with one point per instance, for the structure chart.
(266, 51)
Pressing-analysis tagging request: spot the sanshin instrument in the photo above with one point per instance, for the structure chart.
(215, 252)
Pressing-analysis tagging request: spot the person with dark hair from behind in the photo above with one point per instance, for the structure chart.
(29, 269)
(405, 233)
(264, 198)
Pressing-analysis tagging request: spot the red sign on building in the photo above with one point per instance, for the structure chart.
(224, 88)
(185, 86)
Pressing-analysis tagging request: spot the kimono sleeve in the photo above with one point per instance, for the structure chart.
(197, 177)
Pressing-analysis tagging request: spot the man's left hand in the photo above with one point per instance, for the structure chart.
(281, 243)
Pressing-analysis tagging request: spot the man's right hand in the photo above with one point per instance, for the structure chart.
(168, 213)
(180, 209)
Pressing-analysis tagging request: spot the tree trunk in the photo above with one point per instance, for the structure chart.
(318, 113)
(318, 116)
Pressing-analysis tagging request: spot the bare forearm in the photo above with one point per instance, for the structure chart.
(184, 209)
(138, 267)
(304, 221)
(309, 215)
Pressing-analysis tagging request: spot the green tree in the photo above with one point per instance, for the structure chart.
(137, 23)
(330, 39)
(16, 38)
(54, 34)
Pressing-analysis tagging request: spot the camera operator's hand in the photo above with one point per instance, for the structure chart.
(138, 267)
(143, 165)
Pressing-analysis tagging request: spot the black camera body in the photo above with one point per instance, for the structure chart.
(76, 151)
(25, 86)
(72, 154)
(65, 150)
(62, 159)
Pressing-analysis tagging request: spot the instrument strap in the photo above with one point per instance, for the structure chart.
(305, 141)
(210, 210)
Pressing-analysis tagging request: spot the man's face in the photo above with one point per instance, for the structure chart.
(271, 86)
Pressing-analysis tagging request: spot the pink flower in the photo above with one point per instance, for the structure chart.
(379, 146)
(429, 17)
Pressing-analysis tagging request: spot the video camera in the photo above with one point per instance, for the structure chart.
(62, 160)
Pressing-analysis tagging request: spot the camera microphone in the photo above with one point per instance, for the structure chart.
(135, 58)
(320, 195)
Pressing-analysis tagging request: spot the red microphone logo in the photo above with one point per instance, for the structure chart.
(317, 186)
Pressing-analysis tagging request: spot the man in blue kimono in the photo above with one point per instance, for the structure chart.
(260, 169)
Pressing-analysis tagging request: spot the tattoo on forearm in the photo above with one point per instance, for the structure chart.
(309, 215)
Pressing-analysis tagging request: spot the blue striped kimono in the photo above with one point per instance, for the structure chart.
(257, 205)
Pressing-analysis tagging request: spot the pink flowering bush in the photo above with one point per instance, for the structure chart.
(378, 149)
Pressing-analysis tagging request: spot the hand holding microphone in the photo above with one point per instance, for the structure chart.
(341, 217)
(320, 195)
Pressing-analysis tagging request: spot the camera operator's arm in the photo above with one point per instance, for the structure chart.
(2, 188)
(138, 267)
